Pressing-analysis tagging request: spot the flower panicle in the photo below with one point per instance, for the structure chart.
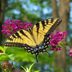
(11, 26)
(55, 39)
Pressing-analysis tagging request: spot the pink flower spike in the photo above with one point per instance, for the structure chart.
(70, 52)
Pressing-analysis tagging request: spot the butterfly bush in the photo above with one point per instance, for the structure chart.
(11, 26)
(55, 39)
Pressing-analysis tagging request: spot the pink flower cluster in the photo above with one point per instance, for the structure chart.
(55, 39)
(11, 26)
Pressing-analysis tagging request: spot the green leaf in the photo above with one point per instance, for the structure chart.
(19, 54)
(3, 57)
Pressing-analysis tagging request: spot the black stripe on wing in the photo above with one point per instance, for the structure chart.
(43, 24)
(37, 26)
(52, 20)
(13, 36)
(58, 21)
(22, 32)
(17, 34)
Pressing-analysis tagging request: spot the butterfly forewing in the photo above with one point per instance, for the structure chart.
(44, 27)
(21, 38)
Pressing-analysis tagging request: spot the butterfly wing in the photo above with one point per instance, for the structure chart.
(20, 37)
(42, 29)
(55, 23)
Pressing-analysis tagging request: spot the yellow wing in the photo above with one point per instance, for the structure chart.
(36, 34)
(23, 37)
(43, 27)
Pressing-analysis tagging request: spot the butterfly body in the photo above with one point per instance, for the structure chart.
(35, 39)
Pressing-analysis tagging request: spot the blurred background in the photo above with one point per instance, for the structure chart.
(34, 11)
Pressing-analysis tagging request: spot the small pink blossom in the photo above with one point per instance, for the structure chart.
(70, 52)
